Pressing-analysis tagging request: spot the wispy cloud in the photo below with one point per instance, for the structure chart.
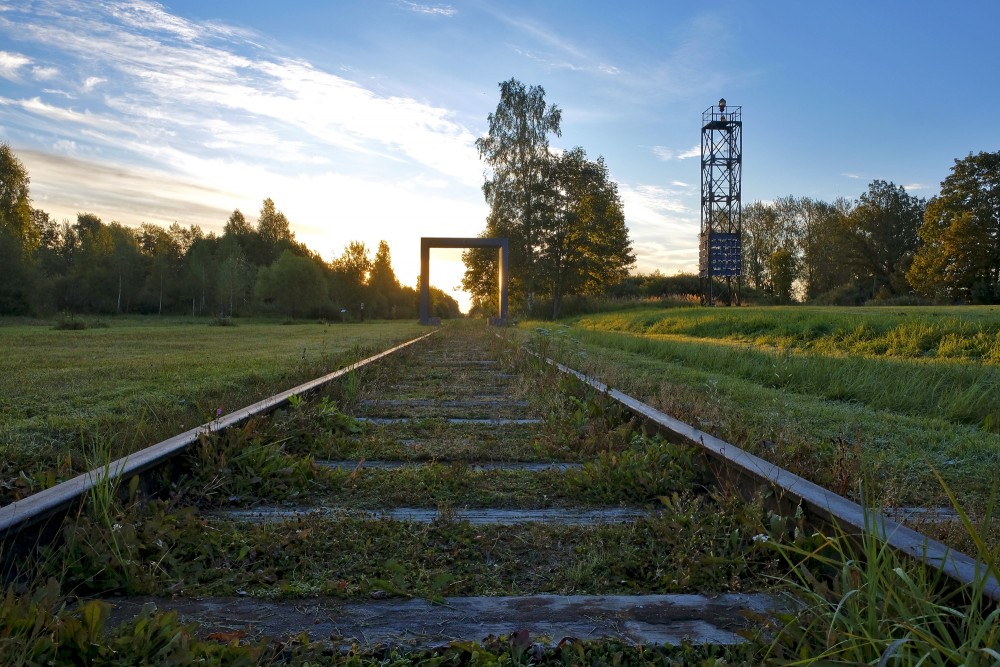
(851, 176)
(162, 74)
(667, 154)
(11, 63)
(44, 73)
(429, 10)
(914, 186)
(557, 51)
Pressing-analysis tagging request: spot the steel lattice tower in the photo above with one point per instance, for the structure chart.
(720, 254)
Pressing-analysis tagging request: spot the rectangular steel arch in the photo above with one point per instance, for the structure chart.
(428, 242)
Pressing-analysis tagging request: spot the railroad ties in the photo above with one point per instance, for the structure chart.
(450, 518)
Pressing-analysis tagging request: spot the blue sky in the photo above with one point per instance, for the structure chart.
(358, 118)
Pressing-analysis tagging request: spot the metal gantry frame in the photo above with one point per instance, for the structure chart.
(503, 277)
(720, 243)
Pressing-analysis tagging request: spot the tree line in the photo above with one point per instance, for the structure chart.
(886, 245)
(89, 266)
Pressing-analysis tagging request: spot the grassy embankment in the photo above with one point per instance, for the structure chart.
(70, 397)
(877, 396)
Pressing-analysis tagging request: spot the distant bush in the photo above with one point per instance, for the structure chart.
(844, 295)
(901, 300)
(223, 321)
(69, 324)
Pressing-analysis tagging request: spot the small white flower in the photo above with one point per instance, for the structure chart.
(760, 538)
(115, 528)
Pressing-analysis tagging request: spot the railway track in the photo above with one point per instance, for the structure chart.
(450, 490)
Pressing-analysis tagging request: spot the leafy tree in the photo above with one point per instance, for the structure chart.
(15, 275)
(234, 276)
(164, 255)
(443, 305)
(768, 229)
(783, 269)
(960, 253)
(294, 285)
(384, 289)
(760, 225)
(881, 236)
(823, 239)
(199, 273)
(15, 203)
(585, 247)
(273, 232)
(237, 224)
(350, 272)
(516, 150)
(18, 236)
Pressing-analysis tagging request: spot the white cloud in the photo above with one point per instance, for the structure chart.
(663, 226)
(64, 115)
(851, 176)
(188, 74)
(914, 186)
(667, 154)
(44, 73)
(664, 153)
(10, 63)
(430, 10)
(694, 151)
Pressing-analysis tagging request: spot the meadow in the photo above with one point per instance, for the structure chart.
(69, 397)
(870, 402)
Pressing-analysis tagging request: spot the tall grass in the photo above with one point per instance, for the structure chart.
(971, 334)
(859, 603)
(878, 361)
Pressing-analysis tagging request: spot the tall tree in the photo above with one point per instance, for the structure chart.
(881, 236)
(164, 255)
(585, 245)
(383, 286)
(783, 269)
(767, 229)
(273, 231)
(15, 203)
(294, 286)
(960, 253)
(516, 151)
(234, 276)
(350, 272)
(18, 236)
(822, 238)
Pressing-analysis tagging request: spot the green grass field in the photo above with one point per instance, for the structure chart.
(862, 400)
(67, 397)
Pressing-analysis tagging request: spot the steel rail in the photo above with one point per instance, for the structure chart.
(823, 504)
(45, 504)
